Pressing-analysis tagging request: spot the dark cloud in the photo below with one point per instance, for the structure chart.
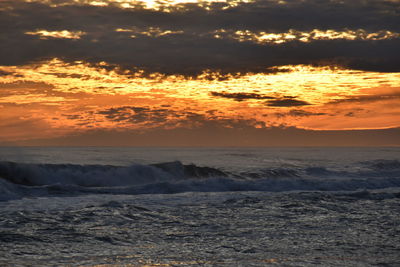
(72, 117)
(132, 114)
(162, 118)
(287, 102)
(5, 73)
(303, 113)
(300, 113)
(241, 96)
(367, 98)
(196, 49)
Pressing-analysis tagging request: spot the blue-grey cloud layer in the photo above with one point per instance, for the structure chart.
(196, 49)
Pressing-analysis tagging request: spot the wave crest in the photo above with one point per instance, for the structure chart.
(22, 179)
(101, 175)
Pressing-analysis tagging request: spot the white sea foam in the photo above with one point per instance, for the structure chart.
(235, 206)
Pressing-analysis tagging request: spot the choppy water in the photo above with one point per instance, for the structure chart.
(188, 207)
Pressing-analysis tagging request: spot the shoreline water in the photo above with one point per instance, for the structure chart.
(234, 207)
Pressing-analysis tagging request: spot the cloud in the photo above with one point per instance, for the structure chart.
(266, 38)
(162, 118)
(303, 113)
(287, 102)
(132, 114)
(5, 73)
(241, 96)
(183, 42)
(367, 98)
(300, 113)
(43, 34)
(72, 116)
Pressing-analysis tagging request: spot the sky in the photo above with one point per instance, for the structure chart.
(200, 73)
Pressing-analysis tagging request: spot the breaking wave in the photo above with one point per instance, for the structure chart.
(19, 180)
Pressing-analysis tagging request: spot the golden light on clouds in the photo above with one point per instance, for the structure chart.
(68, 97)
(44, 34)
(81, 67)
(160, 5)
(263, 37)
(276, 38)
(317, 85)
(150, 32)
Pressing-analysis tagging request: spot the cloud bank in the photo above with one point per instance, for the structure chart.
(189, 38)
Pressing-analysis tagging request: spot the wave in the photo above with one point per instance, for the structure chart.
(101, 175)
(382, 165)
(23, 179)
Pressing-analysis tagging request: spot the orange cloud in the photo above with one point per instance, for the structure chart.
(67, 98)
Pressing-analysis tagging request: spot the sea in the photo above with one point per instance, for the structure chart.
(141, 206)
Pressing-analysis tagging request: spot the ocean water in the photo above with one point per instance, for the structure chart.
(89, 206)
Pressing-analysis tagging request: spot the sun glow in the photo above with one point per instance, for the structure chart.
(78, 96)
(318, 85)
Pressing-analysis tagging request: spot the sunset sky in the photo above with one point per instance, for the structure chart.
(200, 73)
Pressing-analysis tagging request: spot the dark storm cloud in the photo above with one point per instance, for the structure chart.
(196, 49)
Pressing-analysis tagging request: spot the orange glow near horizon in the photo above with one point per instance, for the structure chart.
(55, 98)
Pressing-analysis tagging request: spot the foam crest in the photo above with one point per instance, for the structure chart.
(101, 175)
(21, 179)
